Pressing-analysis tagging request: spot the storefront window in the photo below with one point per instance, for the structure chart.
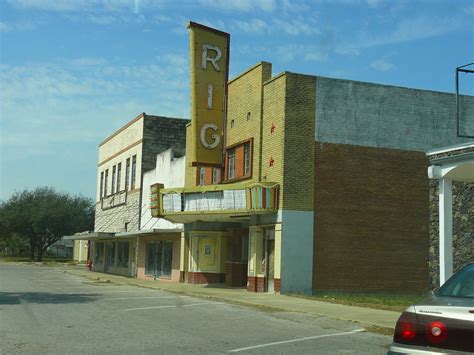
(159, 256)
(99, 253)
(122, 251)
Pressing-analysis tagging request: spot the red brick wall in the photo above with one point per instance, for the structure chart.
(236, 274)
(371, 219)
(277, 285)
(255, 284)
(205, 278)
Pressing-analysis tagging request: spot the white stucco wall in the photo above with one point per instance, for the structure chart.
(169, 171)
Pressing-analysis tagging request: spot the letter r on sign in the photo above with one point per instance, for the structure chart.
(213, 60)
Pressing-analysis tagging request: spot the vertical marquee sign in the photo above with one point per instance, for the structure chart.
(209, 74)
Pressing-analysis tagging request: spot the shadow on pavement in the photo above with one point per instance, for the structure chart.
(10, 298)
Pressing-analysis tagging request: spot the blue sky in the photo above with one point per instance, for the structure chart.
(73, 71)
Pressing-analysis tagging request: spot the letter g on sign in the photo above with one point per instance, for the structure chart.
(214, 136)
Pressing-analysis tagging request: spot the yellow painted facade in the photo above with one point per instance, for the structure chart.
(207, 251)
(209, 73)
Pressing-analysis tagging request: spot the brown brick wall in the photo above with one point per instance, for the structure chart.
(205, 278)
(277, 285)
(371, 219)
(256, 284)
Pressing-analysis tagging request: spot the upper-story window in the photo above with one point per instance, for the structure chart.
(134, 172)
(101, 190)
(106, 181)
(239, 161)
(247, 159)
(114, 172)
(119, 175)
(127, 173)
(202, 176)
(216, 175)
(231, 164)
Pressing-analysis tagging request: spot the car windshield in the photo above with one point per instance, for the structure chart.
(460, 285)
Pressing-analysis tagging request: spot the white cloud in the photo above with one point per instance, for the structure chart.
(374, 3)
(85, 5)
(4, 27)
(240, 5)
(88, 61)
(381, 65)
(49, 106)
(292, 52)
(296, 27)
(408, 29)
(252, 26)
(469, 10)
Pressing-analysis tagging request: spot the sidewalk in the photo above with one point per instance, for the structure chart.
(367, 316)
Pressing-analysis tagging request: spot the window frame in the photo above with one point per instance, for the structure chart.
(230, 156)
(233, 148)
(114, 175)
(133, 177)
(101, 188)
(216, 175)
(127, 173)
(202, 176)
(106, 180)
(119, 173)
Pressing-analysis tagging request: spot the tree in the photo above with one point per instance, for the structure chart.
(42, 216)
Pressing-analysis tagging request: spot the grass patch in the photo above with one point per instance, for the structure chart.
(25, 259)
(390, 302)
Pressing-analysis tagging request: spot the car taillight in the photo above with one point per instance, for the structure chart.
(436, 332)
(407, 328)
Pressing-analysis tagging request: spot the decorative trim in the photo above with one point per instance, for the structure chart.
(143, 114)
(120, 152)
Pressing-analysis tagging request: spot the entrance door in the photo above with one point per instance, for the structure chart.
(159, 258)
(271, 265)
(109, 255)
(269, 247)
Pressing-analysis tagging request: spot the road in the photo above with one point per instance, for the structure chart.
(44, 310)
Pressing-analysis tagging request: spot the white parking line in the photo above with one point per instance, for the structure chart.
(134, 298)
(171, 306)
(295, 340)
(100, 291)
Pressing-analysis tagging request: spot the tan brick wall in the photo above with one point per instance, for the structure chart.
(245, 95)
(300, 113)
(371, 219)
(274, 93)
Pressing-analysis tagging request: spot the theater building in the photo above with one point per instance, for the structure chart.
(288, 183)
(323, 184)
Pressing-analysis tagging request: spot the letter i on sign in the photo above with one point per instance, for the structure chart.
(209, 96)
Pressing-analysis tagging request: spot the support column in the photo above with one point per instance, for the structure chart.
(183, 258)
(445, 230)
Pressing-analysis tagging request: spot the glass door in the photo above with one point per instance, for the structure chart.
(167, 258)
(159, 258)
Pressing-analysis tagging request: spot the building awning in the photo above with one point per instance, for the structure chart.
(88, 236)
(147, 232)
(121, 235)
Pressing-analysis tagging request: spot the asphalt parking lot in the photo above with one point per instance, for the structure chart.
(43, 310)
